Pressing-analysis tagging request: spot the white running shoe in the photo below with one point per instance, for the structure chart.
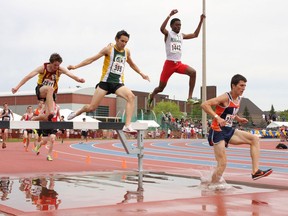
(49, 158)
(129, 129)
(191, 101)
(71, 115)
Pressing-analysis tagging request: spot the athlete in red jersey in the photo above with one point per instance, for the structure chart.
(48, 136)
(222, 132)
(27, 134)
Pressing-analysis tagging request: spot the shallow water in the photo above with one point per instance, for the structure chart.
(51, 192)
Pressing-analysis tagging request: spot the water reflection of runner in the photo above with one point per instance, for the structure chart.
(48, 196)
(35, 190)
(25, 186)
(5, 187)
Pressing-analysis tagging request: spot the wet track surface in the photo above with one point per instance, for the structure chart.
(73, 185)
(100, 189)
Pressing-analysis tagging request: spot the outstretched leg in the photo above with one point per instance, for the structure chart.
(192, 79)
(242, 137)
(99, 94)
(158, 89)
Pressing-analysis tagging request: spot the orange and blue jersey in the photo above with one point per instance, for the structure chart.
(228, 113)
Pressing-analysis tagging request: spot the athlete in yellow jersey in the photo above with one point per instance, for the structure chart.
(112, 79)
(47, 85)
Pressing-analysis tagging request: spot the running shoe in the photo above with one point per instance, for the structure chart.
(36, 149)
(129, 129)
(71, 116)
(220, 186)
(261, 173)
(49, 158)
(191, 101)
(3, 146)
(150, 100)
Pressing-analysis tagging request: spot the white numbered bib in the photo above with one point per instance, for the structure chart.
(117, 68)
(229, 120)
(6, 118)
(175, 47)
(48, 82)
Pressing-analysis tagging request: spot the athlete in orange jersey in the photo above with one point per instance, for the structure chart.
(221, 132)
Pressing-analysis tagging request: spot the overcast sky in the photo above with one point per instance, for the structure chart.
(243, 36)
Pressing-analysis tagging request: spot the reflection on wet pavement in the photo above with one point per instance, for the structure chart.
(54, 192)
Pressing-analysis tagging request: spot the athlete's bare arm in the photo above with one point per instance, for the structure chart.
(33, 73)
(135, 67)
(65, 71)
(197, 31)
(241, 120)
(103, 52)
(220, 100)
(164, 24)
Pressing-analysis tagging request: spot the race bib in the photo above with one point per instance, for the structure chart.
(6, 118)
(229, 120)
(48, 82)
(175, 47)
(117, 68)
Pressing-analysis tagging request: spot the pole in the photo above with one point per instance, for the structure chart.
(204, 93)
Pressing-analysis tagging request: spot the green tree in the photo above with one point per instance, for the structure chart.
(246, 113)
(168, 106)
(284, 115)
(272, 110)
(196, 112)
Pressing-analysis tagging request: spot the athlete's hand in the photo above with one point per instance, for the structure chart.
(14, 90)
(81, 80)
(71, 67)
(174, 11)
(221, 121)
(146, 77)
(243, 120)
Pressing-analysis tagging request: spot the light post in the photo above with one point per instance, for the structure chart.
(204, 93)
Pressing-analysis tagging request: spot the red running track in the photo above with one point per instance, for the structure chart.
(169, 156)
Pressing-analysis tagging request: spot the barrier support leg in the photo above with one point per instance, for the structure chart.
(140, 145)
(127, 147)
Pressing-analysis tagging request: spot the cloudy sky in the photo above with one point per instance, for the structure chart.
(243, 36)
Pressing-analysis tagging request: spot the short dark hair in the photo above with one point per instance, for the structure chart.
(55, 57)
(174, 20)
(84, 119)
(236, 79)
(120, 33)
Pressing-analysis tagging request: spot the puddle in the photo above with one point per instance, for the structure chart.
(54, 192)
